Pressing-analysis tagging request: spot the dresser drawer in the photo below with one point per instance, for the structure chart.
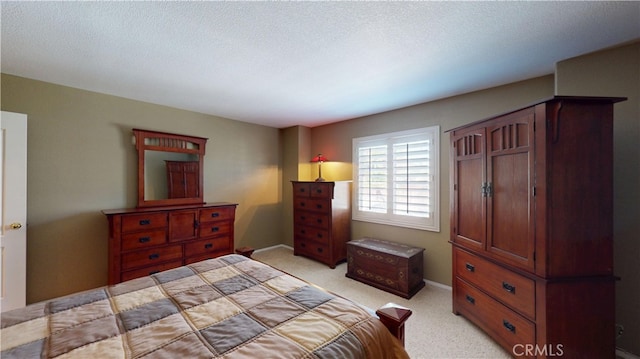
(321, 190)
(138, 222)
(151, 256)
(215, 229)
(307, 247)
(137, 273)
(308, 204)
(207, 246)
(311, 233)
(301, 189)
(217, 214)
(507, 325)
(143, 239)
(312, 219)
(510, 288)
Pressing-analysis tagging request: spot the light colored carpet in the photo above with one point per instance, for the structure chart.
(432, 331)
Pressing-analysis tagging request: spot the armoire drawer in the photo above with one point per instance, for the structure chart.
(145, 221)
(151, 256)
(512, 289)
(494, 317)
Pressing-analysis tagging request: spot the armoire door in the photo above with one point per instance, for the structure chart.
(510, 189)
(468, 177)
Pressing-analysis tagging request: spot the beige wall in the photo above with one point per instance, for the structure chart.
(334, 141)
(81, 160)
(616, 72)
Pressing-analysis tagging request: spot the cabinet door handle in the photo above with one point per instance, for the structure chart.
(145, 222)
(470, 299)
(144, 239)
(509, 288)
(470, 267)
(510, 327)
(154, 256)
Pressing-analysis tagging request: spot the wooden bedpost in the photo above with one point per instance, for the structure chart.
(393, 316)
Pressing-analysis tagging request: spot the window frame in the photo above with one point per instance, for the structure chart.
(431, 223)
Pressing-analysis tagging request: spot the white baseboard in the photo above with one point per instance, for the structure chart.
(625, 355)
(273, 247)
(436, 284)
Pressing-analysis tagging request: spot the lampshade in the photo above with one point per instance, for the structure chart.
(319, 158)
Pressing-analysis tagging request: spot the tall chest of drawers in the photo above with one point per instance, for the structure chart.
(143, 241)
(322, 220)
(532, 227)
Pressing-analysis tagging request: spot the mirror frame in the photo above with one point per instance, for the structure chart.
(168, 142)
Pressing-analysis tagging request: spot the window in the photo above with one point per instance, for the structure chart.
(396, 179)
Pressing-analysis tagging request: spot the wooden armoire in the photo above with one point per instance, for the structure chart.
(532, 227)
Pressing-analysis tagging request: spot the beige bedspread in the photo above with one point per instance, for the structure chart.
(228, 307)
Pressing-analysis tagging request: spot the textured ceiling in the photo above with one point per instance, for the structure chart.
(301, 63)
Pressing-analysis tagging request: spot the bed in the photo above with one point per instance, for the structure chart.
(227, 307)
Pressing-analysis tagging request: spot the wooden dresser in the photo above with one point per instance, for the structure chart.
(143, 241)
(393, 267)
(322, 220)
(532, 227)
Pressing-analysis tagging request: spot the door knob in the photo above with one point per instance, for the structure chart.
(15, 225)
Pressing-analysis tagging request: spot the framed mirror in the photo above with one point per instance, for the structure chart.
(170, 168)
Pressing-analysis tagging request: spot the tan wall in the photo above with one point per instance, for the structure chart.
(616, 72)
(335, 141)
(81, 160)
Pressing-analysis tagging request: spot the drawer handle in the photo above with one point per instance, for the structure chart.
(303, 245)
(303, 218)
(145, 222)
(303, 231)
(319, 235)
(214, 229)
(509, 288)
(144, 239)
(319, 220)
(154, 256)
(510, 327)
(318, 190)
(319, 250)
(302, 190)
(302, 204)
(318, 206)
(470, 267)
(470, 299)
(208, 245)
(215, 214)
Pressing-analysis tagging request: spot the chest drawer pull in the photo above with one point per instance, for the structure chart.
(154, 256)
(509, 288)
(214, 229)
(510, 327)
(208, 245)
(145, 222)
(215, 214)
(144, 239)
(470, 299)
(320, 250)
(318, 206)
(470, 267)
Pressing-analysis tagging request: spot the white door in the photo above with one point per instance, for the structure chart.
(13, 211)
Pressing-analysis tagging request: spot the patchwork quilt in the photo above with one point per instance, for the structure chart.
(228, 307)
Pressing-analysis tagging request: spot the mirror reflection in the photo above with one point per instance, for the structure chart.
(170, 175)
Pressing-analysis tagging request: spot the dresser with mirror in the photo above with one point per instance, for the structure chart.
(171, 225)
